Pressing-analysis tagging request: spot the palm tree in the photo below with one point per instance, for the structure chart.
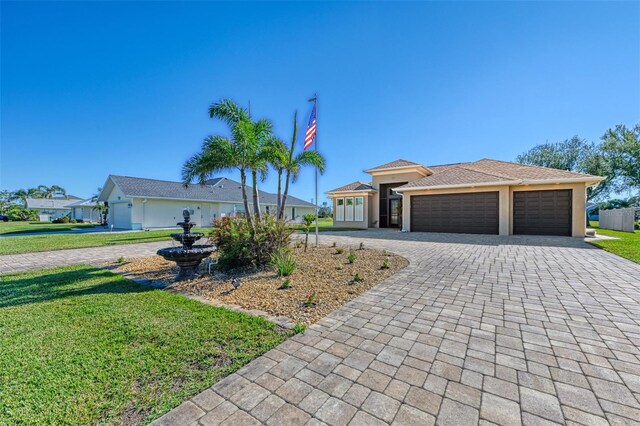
(251, 138)
(294, 164)
(219, 153)
(277, 154)
(51, 191)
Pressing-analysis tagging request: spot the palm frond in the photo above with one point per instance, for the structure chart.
(228, 111)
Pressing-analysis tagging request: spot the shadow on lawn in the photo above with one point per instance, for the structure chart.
(21, 289)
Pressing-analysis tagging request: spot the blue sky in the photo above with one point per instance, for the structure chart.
(90, 89)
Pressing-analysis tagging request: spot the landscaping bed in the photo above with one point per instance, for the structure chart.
(321, 271)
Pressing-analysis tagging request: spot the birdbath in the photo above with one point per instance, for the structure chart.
(189, 256)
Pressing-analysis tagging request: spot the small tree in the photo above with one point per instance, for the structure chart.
(307, 220)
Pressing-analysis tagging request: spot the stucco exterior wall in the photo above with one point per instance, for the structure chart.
(366, 207)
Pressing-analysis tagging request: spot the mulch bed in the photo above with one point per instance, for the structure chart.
(320, 270)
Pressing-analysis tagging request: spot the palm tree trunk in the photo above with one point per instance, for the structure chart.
(256, 196)
(245, 200)
(284, 196)
(279, 197)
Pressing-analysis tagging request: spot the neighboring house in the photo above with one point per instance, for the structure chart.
(138, 203)
(592, 211)
(480, 197)
(84, 210)
(50, 208)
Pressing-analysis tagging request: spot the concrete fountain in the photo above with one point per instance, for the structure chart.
(189, 256)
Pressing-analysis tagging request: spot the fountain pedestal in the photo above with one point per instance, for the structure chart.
(189, 256)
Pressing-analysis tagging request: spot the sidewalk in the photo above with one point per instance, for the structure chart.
(90, 255)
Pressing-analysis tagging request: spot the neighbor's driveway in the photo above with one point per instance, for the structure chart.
(504, 329)
(90, 255)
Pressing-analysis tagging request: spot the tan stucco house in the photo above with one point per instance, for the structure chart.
(140, 203)
(481, 197)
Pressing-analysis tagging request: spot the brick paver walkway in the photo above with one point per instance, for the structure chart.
(90, 255)
(502, 330)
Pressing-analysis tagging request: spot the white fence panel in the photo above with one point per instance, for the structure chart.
(618, 219)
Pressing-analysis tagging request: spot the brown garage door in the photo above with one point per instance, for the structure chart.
(475, 213)
(542, 212)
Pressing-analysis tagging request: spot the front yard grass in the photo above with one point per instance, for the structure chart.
(82, 345)
(24, 227)
(627, 246)
(36, 243)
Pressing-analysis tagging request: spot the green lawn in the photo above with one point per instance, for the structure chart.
(81, 346)
(627, 246)
(23, 227)
(324, 225)
(35, 243)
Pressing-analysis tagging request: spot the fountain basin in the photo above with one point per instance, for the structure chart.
(188, 260)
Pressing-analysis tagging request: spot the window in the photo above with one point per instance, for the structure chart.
(293, 213)
(348, 210)
(359, 209)
(339, 209)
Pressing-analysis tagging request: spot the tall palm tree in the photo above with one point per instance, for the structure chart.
(277, 154)
(251, 137)
(295, 163)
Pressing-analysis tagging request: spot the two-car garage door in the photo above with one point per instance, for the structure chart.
(534, 213)
(471, 213)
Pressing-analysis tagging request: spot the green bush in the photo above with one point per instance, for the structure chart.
(285, 285)
(339, 250)
(351, 257)
(18, 213)
(61, 219)
(239, 246)
(385, 264)
(283, 263)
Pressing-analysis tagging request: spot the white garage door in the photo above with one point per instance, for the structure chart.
(121, 215)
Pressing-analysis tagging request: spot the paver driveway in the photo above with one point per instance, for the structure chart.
(505, 330)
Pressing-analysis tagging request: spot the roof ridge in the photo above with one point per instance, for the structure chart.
(535, 166)
(500, 175)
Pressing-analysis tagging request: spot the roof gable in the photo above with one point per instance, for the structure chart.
(356, 186)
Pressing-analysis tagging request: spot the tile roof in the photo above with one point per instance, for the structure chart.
(395, 164)
(354, 187)
(222, 190)
(489, 171)
(89, 202)
(48, 203)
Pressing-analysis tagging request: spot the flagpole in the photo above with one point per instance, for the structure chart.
(315, 101)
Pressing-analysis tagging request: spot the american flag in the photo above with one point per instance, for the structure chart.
(311, 129)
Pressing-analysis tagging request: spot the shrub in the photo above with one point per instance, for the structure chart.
(334, 244)
(62, 219)
(352, 257)
(385, 264)
(361, 246)
(283, 262)
(239, 246)
(15, 212)
(285, 285)
(120, 259)
(312, 300)
(357, 278)
(339, 250)
(307, 221)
